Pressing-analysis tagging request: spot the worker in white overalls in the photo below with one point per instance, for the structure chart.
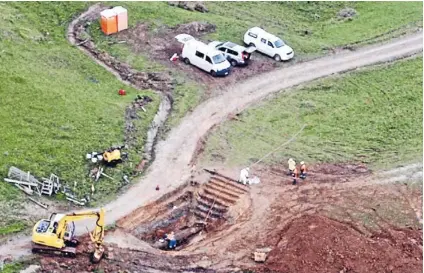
(292, 166)
(244, 176)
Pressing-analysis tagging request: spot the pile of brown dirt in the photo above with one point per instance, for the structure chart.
(314, 243)
(196, 28)
(161, 44)
(189, 5)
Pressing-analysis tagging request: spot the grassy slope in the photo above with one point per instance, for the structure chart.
(56, 104)
(287, 19)
(373, 116)
(14, 267)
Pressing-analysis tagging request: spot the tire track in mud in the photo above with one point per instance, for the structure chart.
(171, 167)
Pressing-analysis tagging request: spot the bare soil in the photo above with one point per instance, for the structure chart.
(316, 226)
(315, 243)
(161, 45)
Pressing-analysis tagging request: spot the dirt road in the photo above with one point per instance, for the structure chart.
(172, 166)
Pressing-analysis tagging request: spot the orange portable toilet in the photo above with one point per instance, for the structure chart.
(108, 22)
(122, 17)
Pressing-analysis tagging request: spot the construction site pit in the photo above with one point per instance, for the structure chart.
(191, 211)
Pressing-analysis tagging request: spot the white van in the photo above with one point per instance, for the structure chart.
(204, 57)
(268, 44)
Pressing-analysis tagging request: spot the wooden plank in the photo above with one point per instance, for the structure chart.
(75, 201)
(207, 216)
(38, 203)
(25, 189)
(20, 182)
(107, 175)
(219, 174)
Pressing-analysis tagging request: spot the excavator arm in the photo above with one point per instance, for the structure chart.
(96, 236)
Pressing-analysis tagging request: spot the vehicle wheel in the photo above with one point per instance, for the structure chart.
(252, 44)
(186, 61)
(213, 73)
(277, 58)
(233, 62)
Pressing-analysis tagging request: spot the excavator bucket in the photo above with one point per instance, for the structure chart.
(98, 254)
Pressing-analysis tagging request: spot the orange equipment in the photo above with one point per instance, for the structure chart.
(109, 22)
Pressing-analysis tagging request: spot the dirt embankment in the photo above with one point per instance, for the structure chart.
(315, 243)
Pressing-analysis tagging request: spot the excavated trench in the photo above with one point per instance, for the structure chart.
(188, 211)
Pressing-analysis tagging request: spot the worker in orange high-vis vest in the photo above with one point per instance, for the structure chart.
(302, 170)
(295, 175)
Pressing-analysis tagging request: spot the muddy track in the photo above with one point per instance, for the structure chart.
(172, 168)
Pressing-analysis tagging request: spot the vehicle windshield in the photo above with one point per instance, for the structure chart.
(217, 59)
(279, 43)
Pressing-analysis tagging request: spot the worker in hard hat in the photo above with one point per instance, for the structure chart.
(244, 176)
(295, 175)
(302, 170)
(172, 241)
(292, 165)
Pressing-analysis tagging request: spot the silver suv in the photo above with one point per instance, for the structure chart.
(235, 54)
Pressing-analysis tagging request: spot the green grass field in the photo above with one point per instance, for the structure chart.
(373, 116)
(286, 19)
(56, 103)
(14, 267)
(289, 20)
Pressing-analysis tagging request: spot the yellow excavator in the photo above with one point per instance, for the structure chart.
(56, 235)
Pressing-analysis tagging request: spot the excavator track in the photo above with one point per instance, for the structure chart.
(66, 251)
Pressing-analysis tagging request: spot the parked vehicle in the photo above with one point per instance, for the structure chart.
(235, 54)
(204, 57)
(268, 44)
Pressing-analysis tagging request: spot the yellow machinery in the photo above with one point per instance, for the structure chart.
(57, 234)
(111, 156)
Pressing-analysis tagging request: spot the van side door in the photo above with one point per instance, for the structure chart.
(199, 59)
(208, 64)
